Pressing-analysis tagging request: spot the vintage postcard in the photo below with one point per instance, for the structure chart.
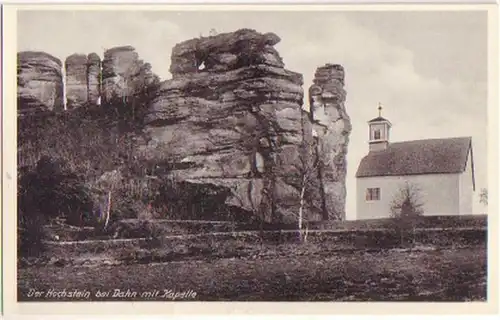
(212, 159)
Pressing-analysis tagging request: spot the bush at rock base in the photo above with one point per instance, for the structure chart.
(47, 191)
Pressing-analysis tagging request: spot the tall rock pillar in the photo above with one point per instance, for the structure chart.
(76, 81)
(124, 74)
(93, 78)
(331, 130)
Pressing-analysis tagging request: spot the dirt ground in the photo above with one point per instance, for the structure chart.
(390, 275)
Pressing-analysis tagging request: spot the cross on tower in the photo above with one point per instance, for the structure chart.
(379, 109)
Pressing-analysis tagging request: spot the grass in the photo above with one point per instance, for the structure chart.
(445, 221)
(334, 265)
(138, 228)
(440, 275)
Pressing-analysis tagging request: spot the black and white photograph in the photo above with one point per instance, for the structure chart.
(252, 155)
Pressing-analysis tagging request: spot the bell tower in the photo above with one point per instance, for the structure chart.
(379, 132)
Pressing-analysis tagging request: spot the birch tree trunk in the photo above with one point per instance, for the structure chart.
(108, 210)
(301, 207)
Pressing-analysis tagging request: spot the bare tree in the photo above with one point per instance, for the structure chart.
(308, 169)
(406, 209)
(106, 183)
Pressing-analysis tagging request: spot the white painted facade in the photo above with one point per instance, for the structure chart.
(440, 194)
(379, 135)
(466, 184)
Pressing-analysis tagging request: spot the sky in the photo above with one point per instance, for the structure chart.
(427, 69)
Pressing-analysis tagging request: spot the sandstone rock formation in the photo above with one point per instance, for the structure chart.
(229, 125)
(88, 80)
(331, 129)
(39, 82)
(93, 78)
(76, 81)
(231, 118)
(123, 74)
(225, 52)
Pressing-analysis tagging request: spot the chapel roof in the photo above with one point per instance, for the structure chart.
(447, 155)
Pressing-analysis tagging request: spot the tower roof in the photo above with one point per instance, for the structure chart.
(379, 118)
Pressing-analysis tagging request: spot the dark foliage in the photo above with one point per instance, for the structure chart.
(53, 190)
(184, 200)
(90, 141)
(49, 190)
(30, 234)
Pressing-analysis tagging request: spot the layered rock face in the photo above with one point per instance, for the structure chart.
(39, 82)
(93, 78)
(124, 74)
(225, 52)
(40, 79)
(331, 129)
(76, 81)
(231, 118)
(229, 124)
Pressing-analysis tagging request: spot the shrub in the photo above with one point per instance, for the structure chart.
(50, 190)
(92, 141)
(406, 212)
(53, 190)
(187, 200)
